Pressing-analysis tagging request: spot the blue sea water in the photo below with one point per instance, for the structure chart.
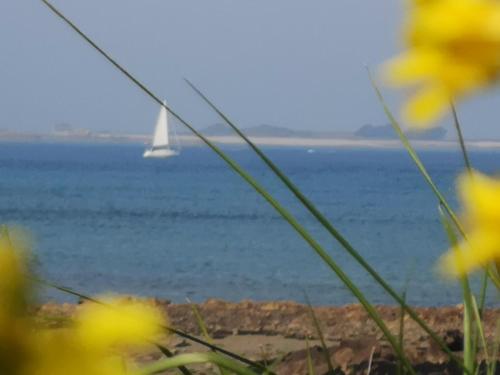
(105, 219)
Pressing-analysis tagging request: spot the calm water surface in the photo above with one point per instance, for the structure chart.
(104, 219)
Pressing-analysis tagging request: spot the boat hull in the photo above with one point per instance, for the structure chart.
(160, 154)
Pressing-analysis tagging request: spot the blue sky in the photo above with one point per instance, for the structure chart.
(289, 63)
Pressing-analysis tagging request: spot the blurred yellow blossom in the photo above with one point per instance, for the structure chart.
(15, 327)
(453, 50)
(480, 196)
(91, 346)
(120, 322)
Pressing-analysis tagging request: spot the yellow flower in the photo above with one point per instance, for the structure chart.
(480, 196)
(453, 51)
(100, 333)
(92, 346)
(120, 322)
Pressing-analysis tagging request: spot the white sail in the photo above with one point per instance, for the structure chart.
(161, 145)
(160, 138)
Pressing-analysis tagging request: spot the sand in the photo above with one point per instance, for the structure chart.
(343, 143)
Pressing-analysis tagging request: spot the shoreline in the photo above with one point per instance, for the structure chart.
(280, 330)
(286, 142)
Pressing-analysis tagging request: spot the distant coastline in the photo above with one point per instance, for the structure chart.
(292, 140)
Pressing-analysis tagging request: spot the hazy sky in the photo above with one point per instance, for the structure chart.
(289, 63)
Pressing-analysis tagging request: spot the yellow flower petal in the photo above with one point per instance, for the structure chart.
(480, 195)
(413, 67)
(426, 106)
(480, 249)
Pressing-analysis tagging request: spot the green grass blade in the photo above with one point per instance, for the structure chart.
(310, 367)
(317, 327)
(480, 329)
(167, 353)
(200, 322)
(196, 358)
(203, 328)
(469, 350)
(252, 182)
(461, 140)
(493, 276)
(400, 370)
(346, 245)
(482, 292)
(496, 345)
(409, 148)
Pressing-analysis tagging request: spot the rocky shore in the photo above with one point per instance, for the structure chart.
(277, 331)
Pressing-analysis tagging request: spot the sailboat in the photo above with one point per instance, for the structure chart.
(161, 146)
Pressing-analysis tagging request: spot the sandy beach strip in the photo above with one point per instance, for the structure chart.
(342, 142)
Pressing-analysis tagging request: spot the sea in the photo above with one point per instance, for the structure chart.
(104, 220)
